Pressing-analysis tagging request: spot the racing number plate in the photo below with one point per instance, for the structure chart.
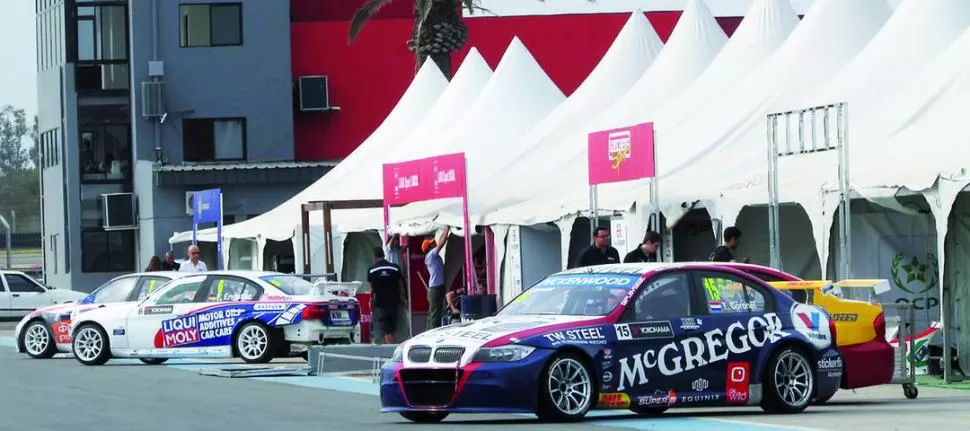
(339, 315)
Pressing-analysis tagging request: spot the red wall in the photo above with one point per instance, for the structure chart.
(368, 77)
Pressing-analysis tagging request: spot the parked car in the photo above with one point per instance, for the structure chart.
(45, 332)
(21, 294)
(643, 337)
(861, 325)
(256, 316)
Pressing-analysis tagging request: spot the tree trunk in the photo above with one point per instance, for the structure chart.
(439, 35)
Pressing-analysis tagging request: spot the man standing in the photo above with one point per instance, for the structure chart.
(386, 292)
(436, 276)
(194, 264)
(600, 253)
(647, 251)
(169, 264)
(725, 253)
(392, 249)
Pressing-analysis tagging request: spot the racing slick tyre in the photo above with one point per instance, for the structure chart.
(255, 343)
(38, 341)
(153, 361)
(566, 389)
(424, 417)
(789, 382)
(90, 345)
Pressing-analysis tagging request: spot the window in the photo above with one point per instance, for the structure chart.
(148, 285)
(210, 24)
(207, 139)
(726, 294)
(103, 251)
(231, 289)
(17, 283)
(118, 290)
(105, 153)
(102, 33)
(665, 297)
(182, 291)
(290, 284)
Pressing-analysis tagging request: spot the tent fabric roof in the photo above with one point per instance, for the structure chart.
(634, 49)
(426, 87)
(490, 126)
(694, 43)
(917, 33)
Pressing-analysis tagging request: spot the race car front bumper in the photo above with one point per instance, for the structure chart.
(479, 387)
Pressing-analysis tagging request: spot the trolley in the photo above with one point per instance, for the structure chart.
(905, 363)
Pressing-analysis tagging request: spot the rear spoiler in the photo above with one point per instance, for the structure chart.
(879, 286)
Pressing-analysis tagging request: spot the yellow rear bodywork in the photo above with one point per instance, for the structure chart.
(854, 319)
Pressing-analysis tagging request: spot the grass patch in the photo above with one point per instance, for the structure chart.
(937, 382)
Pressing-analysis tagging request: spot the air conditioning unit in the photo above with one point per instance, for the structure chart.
(189, 196)
(120, 211)
(314, 94)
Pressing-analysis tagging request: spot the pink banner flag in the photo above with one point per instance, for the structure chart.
(622, 154)
(426, 179)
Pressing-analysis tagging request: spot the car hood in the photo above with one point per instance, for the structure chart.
(61, 296)
(474, 334)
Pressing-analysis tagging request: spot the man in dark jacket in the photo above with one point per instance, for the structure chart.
(647, 251)
(387, 293)
(600, 253)
(725, 253)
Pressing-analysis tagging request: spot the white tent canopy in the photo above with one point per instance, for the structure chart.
(634, 49)
(518, 95)
(279, 223)
(692, 46)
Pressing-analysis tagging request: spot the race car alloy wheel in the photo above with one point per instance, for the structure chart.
(37, 340)
(790, 384)
(91, 345)
(566, 389)
(255, 343)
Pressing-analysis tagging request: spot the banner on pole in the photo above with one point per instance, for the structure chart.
(622, 154)
(207, 208)
(425, 179)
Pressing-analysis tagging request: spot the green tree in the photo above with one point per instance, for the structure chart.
(438, 29)
(13, 130)
(34, 149)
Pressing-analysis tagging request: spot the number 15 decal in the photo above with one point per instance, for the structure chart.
(623, 332)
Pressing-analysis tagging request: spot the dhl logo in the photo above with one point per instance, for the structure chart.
(614, 400)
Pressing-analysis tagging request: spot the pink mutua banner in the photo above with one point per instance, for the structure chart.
(427, 179)
(622, 154)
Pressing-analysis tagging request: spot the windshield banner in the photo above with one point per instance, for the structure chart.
(594, 280)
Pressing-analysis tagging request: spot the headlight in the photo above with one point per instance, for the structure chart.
(398, 355)
(503, 353)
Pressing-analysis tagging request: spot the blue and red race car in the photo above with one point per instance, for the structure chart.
(643, 337)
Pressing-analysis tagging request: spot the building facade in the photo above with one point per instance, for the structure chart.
(143, 102)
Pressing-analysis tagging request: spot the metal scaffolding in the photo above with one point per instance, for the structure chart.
(818, 142)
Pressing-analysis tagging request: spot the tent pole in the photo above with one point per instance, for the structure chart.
(772, 190)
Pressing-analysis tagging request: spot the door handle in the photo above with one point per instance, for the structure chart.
(16, 295)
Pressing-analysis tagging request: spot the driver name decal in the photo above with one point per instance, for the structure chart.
(695, 352)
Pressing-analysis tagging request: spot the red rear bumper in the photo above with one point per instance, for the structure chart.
(867, 364)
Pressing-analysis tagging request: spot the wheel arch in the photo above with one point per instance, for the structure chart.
(21, 347)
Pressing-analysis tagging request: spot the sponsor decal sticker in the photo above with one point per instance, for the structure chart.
(715, 306)
(700, 385)
(711, 347)
(270, 307)
(812, 323)
(830, 364)
(610, 280)
(657, 399)
(194, 328)
(738, 382)
(62, 332)
(700, 398)
(607, 377)
(614, 400)
(119, 331)
(607, 354)
(644, 330)
(474, 335)
(690, 323)
(845, 317)
(157, 309)
(592, 335)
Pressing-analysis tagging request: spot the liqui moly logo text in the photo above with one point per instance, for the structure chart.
(695, 352)
(181, 330)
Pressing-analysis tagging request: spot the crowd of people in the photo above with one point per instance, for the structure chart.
(194, 262)
(602, 253)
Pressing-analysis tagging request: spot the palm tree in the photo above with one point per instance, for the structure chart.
(438, 30)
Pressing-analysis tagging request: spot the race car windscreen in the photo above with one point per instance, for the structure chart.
(573, 295)
(289, 284)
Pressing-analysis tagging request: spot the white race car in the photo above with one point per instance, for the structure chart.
(256, 316)
(47, 331)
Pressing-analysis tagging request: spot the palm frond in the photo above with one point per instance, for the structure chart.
(364, 14)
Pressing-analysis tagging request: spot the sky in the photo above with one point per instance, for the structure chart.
(18, 76)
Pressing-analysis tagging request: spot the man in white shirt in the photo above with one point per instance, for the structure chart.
(392, 249)
(194, 264)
